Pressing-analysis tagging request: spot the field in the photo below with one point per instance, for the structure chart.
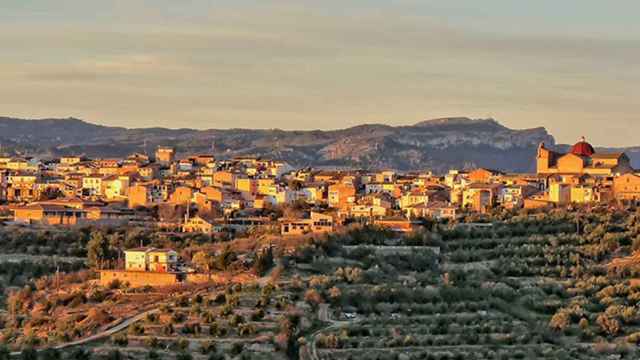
(555, 285)
(529, 287)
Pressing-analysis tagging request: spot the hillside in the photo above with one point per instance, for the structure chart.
(438, 144)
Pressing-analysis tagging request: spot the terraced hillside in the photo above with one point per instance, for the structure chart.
(525, 288)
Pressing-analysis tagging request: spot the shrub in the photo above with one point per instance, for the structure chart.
(136, 329)
(120, 340)
(182, 344)
(152, 342)
(208, 347)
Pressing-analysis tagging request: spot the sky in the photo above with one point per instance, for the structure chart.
(572, 66)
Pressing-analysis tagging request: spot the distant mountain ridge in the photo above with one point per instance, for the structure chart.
(439, 144)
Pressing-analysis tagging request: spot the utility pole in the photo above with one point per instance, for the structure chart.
(55, 263)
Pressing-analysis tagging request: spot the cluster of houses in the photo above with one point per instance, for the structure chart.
(207, 195)
(202, 194)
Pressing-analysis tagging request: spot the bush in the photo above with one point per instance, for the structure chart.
(152, 342)
(182, 344)
(208, 347)
(29, 353)
(136, 329)
(120, 340)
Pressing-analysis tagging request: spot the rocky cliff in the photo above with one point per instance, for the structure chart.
(438, 144)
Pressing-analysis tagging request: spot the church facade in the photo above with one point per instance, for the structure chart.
(582, 159)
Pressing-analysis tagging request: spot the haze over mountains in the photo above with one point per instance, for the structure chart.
(439, 144)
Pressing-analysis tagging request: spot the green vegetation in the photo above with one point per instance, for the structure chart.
(530, 285)
(509, 285)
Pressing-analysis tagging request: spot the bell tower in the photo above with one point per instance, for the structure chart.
(543, 159)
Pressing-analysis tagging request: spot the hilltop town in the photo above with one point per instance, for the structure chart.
(196, 257)
(202, 194)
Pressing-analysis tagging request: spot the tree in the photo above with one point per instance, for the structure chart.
(560, 321)
(584, 324)
(29, 354)
(264, 261)
(98, 250)
(5, 353)
(225, 258)
(80, 354)
(313, 298)
(202, 261)
(115, 355)
(335, 294)
(608, 325)
(49, 354)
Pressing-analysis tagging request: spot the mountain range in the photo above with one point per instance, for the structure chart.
(437, 145)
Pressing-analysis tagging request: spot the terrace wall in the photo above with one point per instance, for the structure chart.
(138, 278)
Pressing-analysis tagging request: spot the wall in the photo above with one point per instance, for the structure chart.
(138, 278)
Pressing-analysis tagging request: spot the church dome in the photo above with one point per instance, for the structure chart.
(582, 148)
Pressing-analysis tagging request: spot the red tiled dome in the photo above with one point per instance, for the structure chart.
(582, 148)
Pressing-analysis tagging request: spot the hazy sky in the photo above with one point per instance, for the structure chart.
(572, 66)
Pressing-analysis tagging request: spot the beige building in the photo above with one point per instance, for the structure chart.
(198, 224)
(165, 154)
(150, 259)
(560, 193)
(627, 187)
(317, 223)
(582, 159)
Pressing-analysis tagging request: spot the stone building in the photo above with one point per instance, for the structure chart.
(582, 159)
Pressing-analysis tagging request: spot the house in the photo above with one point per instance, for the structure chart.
(24, 165)
(512, 196)
(139, 196)
(372, 206)
(146, 267)
(627, 187)
(150, 259)
(204, 159)
(116, 187)
(434, 210)
(560, 193)
(341, 195)
(482, 175)
(149, 172)
(317, 223)
(70, 160)
(92, 185)
(48, 214)
(423, 195)
(386, 176)
(245, 184)
(480, 197)
(581, 194)
(22, 187)
(401, 225)
(312, 193)
(224, 179)
(165, 155)
(199, 224)
(181, 195)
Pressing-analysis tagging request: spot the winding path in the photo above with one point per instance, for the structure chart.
(101, 335)
(323, 315)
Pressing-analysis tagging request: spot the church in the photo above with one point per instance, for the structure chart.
(582, 159)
